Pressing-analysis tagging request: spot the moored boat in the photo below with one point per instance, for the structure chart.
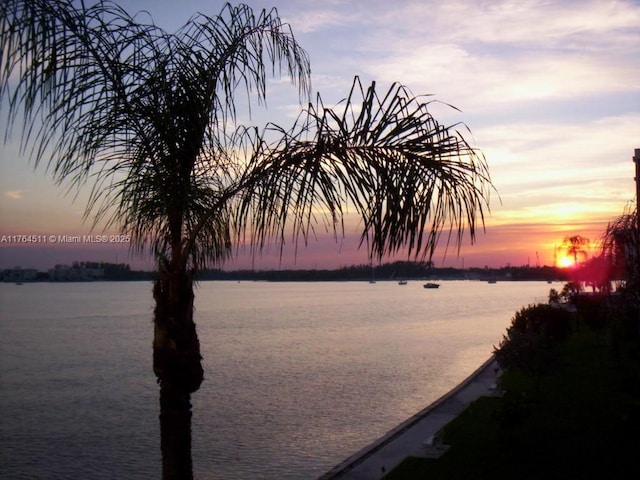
(431, 285)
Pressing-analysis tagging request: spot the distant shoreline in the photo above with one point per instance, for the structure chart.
(396, 271)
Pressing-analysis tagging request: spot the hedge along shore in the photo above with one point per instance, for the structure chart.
(414, 436)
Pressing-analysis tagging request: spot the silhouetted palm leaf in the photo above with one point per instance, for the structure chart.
(145, 114)
(407, 176)
(621, 247)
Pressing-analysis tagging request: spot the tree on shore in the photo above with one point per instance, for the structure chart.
(532, 342)
(150, 120)
(576, 245)
(621, 247)
(621, 250)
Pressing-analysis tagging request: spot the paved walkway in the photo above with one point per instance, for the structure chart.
(418, 435)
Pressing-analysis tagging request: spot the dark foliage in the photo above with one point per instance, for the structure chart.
(593, 310)
(532, 341)
(553, 324)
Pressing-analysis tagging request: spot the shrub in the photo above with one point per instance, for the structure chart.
(532, 341)
(552, 323)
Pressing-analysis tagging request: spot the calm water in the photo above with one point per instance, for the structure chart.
(298, 375)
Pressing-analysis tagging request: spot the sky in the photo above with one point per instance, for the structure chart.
(549, 89)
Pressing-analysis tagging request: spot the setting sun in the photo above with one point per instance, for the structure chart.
(573, 250)
(565, 261)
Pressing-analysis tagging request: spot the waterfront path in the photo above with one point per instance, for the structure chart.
(418, 436)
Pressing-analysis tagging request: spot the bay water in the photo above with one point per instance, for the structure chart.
(298, 376)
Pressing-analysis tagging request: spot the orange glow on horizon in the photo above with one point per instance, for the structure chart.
(573, 251)
(565, 261)
(538, 244)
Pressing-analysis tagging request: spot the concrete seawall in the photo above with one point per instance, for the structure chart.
(413, 436)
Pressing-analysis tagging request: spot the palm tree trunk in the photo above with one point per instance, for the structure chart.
(175, 444)
(176, 348)
(177, 365)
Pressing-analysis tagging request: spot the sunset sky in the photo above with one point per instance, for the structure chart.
(549, 89)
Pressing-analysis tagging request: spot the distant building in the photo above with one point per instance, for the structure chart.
(75, 273)
(19, 275)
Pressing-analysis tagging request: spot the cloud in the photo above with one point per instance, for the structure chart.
(14, 194)
(479, 81)
(602, 143)
(561, 172)
(475, 54)
(566, 24)
(317, 19)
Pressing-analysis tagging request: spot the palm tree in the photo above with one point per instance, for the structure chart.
(576, 245)
(149, 119)
(621, 249)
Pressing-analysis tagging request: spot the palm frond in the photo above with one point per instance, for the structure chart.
(139, 112)
(408, 177)
(150, 119)
(621, 243)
